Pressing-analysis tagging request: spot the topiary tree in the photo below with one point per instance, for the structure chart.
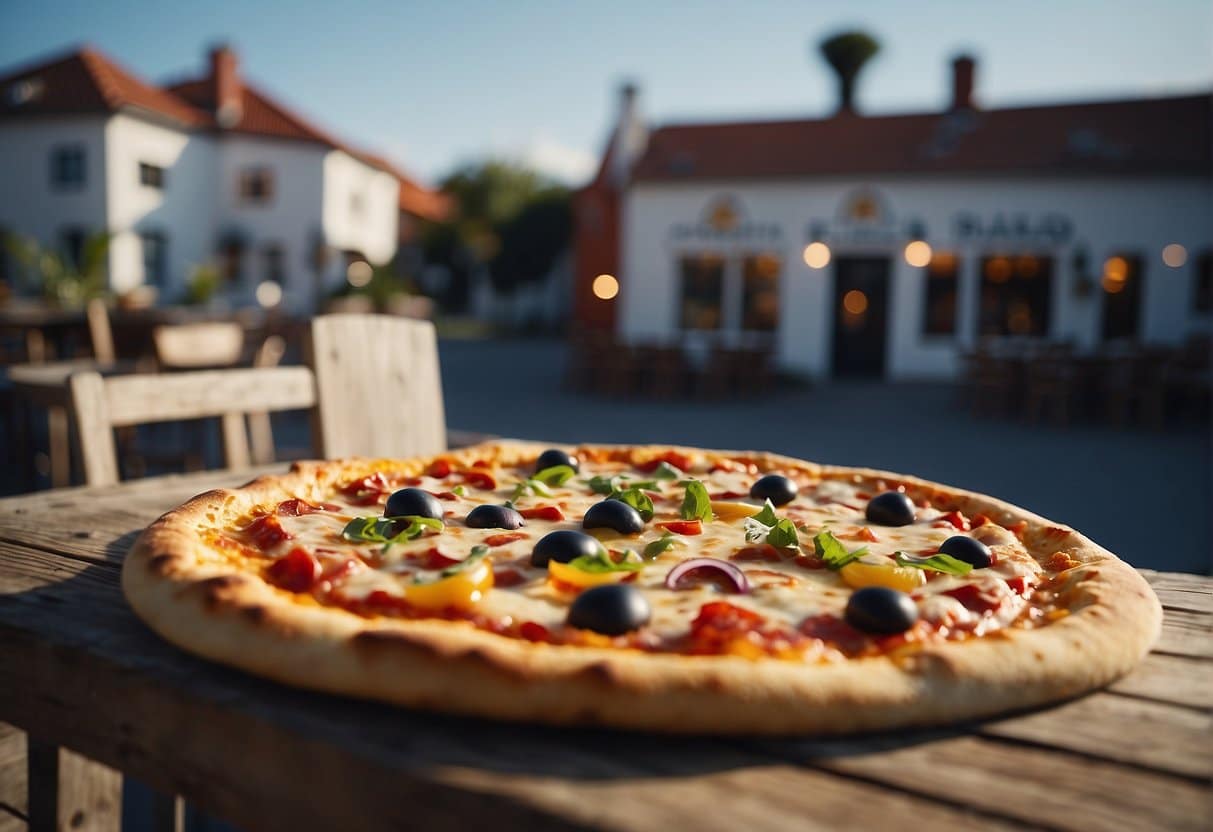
(847, 53)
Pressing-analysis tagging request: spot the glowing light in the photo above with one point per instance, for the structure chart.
(1174, 255)
(817, 255)
(359, 273)
(918, 253)
(605, 287)
(1116, 269)
(269, 294)
(998, 269)
(855, 302)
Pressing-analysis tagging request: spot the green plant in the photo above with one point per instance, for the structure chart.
(59, 278)
(204, 282)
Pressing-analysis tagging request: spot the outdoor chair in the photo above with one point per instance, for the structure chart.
(193, 346)
(102, 404)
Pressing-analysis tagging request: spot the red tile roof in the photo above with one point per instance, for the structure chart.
(1164, 135)
(85, 81)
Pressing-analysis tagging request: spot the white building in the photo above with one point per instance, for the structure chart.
(211, 170)
(887, 245)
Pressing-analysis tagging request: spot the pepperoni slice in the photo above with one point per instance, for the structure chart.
(296, 571)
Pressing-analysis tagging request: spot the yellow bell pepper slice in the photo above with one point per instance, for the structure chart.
(573, 576)
(729, 510)
(462, 591)
(905, 578)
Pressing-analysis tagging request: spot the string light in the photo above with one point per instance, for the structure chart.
(918, 253)
(817, 255)
(1174, 255)
(605, 287)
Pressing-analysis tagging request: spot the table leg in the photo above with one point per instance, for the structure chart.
(67, 791)
(59, 446)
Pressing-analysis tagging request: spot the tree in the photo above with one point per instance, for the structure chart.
(508, 218)
(847, 53)
(60, 278)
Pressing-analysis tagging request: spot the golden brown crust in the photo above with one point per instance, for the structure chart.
(198, 604)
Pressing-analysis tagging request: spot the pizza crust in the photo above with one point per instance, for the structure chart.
(450, 666)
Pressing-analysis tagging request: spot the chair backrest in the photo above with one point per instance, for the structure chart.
(99, 331)
(378, 387)
(217, 344)
(101, 404)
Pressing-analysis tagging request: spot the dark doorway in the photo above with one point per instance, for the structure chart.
(1121, 285)
(861, 294)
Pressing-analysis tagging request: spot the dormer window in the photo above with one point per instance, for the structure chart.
(151, 176)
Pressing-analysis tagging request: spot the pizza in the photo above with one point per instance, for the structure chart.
(658, 588)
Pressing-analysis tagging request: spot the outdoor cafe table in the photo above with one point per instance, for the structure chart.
(79, 670)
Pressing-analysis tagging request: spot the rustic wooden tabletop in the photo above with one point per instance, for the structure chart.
(79, 670)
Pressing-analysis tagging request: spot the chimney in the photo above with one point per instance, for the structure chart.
(963, 69)
(631, 133)
(225, 85)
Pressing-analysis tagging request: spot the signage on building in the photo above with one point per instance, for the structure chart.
(1012, 227)
(863, 218)
(724, 218)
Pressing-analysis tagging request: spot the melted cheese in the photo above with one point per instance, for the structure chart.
(782, 591)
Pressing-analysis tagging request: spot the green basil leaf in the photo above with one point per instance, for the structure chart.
(936, 563)
(637, 499)
(663, 544)
(532, 486)
(367, 529)
(601, 563)
(831, 550)
(696, 505)
(556, 475)
(478, 553)
(666, 471)
(767, 516)
(783, 535)
(459, 491)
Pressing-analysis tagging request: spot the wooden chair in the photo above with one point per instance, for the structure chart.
(192, 346)
(378, 386)
(102, 404)
(261, 432)
(100, 332)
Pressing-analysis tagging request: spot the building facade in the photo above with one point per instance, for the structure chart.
(206, 171)
(887, 246)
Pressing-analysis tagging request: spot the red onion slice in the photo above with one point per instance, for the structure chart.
(741, 584)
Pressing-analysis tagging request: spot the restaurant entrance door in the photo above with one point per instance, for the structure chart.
(861, 293)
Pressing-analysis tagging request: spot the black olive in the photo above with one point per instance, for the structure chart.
(562, 546)
(413, 502)
(878, 609)
(774, 487)
(610, 609)
(494, 517)
(553, 457)
(963, 547)
(613, 514)
(891, 508)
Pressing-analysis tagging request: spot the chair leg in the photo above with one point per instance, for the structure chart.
(68, 791)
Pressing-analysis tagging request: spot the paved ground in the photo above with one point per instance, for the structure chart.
(1143, 495)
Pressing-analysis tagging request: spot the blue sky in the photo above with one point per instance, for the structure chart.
(434, 84)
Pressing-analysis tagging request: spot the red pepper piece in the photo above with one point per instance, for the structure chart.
(974, 598)
(368, 490)
(954, 519)
(687, 527)
(297, 508)
(435, 558)
(508, 576)
(542, 513)
(679, 461)
(439, 469)
(503, 539)
(1018, 584)
(296, 571)
(267, 532)
(534, 632)
(480, 479)
(761, 552)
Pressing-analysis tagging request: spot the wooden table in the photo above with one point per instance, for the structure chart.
(78, 669)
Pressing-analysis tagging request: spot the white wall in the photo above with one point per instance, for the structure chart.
(1109, 216)
(28, 203)
(184, 210)
(289, 218)
(361, 207)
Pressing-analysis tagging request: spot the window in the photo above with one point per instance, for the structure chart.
(151, 176)
(1016, 295)
(256, 185)
(1202, 294)
(760, 292)
(275, 263)
(71, 245)
(939, 305)
(1121, 284)
(702, 278)
(155, 258)
(231, 260)
(68, 167)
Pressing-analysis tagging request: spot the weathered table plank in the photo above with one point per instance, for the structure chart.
(1135, 756)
